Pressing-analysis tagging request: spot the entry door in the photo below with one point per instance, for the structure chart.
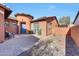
(23, 28)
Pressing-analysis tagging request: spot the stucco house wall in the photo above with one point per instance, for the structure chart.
(75, 30)
(42, 24)
(4, 13)
(2, 28)
(25, 19)
(39, 28)
(75, 34)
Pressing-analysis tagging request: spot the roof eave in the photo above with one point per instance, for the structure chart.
(7, 13)
(7, 10)
(76, 17)
(22, 14)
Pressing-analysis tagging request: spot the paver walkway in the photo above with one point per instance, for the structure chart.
(17, 45)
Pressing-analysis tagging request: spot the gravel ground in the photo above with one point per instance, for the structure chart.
(17, 45)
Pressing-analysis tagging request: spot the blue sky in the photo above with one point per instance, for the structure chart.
(45, 9)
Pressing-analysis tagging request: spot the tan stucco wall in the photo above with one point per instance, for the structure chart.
(27, 20)
(2, 29)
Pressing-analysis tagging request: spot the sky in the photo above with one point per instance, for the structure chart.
(45, 9)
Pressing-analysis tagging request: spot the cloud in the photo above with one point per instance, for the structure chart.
(51, 7)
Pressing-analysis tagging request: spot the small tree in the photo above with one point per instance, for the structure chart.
(65, 20)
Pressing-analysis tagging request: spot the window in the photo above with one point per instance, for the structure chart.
(49, 28)
(36, 27)
(14, 24)
(6, 23)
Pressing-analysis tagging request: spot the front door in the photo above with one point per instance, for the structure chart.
(23, 28)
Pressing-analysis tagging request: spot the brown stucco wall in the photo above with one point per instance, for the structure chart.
(25, 19)
(2, 29)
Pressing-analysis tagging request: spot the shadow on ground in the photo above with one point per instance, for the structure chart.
(71, 48)
(26, 53)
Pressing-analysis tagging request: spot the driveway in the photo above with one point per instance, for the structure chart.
(17, 45)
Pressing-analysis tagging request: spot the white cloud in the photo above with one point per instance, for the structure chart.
(51, 7)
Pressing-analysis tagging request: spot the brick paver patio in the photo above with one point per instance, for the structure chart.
(17, 45)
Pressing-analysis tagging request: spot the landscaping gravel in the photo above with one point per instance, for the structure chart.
(52, 46)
